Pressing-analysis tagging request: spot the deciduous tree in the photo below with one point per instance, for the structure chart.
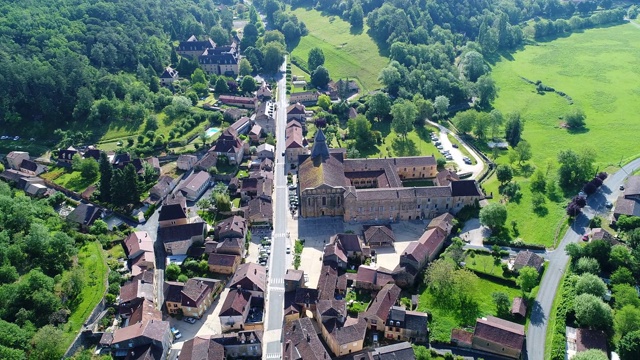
(320, 77)
(591, 312)
(379, 106)
(629, 346)
(404, 114)
(493, 216)
(527, 278)
(315, 58)
(504, 173)
(627, 320)
(513, 129)
(590, 284)
(441, 105)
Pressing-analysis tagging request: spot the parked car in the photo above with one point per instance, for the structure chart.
(288, 249)
(585, 238)
(621, 187)
(608, 204)
(455, 145)
(449, 157)
(176, 333)
(190, 320)
(16, 138)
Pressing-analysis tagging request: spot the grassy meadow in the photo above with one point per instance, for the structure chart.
(444, 320)
(598, 70)
(353, 55)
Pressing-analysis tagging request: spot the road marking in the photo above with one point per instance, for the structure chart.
(273, 356)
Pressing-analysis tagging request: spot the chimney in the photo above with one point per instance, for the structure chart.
(255, 271)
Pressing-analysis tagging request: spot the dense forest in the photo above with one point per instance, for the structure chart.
(39, 283)
(57, 57)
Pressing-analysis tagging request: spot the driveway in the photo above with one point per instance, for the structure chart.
(457, 155)
(474, 233)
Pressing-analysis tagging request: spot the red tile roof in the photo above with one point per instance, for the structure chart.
(236, 303)
(384, 300)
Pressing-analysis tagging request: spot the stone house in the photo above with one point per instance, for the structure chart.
(403, 325)
(186, 162)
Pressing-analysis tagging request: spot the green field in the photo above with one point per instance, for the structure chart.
(91, 259)
(355, 56)
(444, 320)
(598, 70)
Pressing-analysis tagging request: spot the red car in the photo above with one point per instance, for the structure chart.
(585, 238)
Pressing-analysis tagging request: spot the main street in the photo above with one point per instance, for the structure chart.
(274, 306)
(558, 259)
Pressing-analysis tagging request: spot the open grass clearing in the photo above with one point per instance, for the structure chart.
(445, 320)
(486, 264)
(91, 260)
(74, 181)
(353, 55)
(598, 70)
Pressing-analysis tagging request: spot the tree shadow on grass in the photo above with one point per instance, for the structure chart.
(404, 147)
(541, 211)
(356, 30)
(383, 126)
(423, 133)
(576, 131)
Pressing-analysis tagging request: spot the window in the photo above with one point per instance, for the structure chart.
(446, 207)
(381, 208)
(324, 201)
(418, 206)
(360, 209)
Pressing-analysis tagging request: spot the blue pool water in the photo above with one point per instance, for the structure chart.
(211, 131)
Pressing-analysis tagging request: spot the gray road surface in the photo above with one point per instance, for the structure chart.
(536, 334)
(277, 266)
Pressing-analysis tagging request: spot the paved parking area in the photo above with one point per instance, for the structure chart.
(316, 233)
(474, 233)
(405, 232)
(209, 324)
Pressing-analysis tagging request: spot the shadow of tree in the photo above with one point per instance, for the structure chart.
(526, 170)
(423, 133)
(537, 314)
(404, 147)
(356, 30)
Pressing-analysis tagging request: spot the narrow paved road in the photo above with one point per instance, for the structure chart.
(275, 294)
(558, 259)
(457, 154)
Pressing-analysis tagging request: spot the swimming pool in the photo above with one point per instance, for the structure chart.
(211, 131)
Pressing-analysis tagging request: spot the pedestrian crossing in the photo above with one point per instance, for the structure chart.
(281, 235)
(273, 356)
(276, 281)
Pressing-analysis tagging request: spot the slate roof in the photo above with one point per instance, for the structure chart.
(351, 331)
(222, 259)
(499, 331)
(304, 295)
(231, 226)
(151, 329)
(444, 222)
(334, 250)
(590, 339)
(384, 300)
(528, 258)
(173, 291)
(602, 234)
(399, 351)
(518, 307)
(626, 206)
(461, 337)
(464, 188)
(315, 172)
(29, 165)
(445, 177)
(208, 160)
(181, 232)
(194, 291)
(162, 186)
(236, 302)
(301, 341)
(85, 214)
(260, 209)
(327, 282)
(333, 307)
(432, 239)
(201, 348)
(250, 273)
(173, 211)
(379, 233)
(416, 251)
(632, 186)
(169, 73)
(349, 242)
(195, 181)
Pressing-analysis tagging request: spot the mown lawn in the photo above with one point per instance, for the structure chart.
(485, 263)
(347, 54)
(91, 260)
(532, 228)
(418, 143)
(445, 320)
(598, 70)
(74, 181)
